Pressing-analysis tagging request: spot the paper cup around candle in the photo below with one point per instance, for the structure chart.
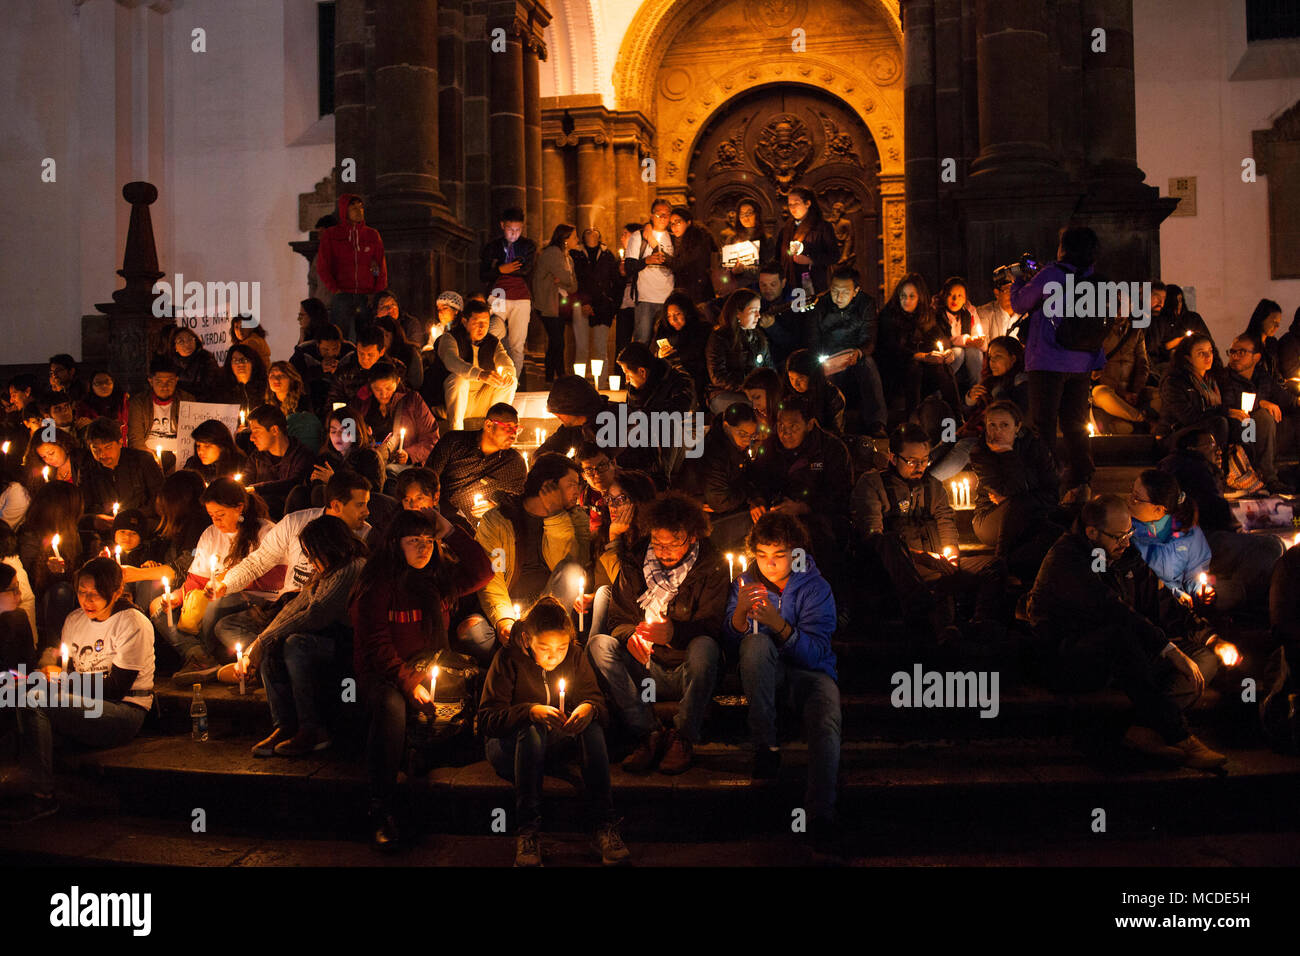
(580, 369)
(614, 382)
(1247, 402)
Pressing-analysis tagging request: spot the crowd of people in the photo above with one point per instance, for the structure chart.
(353, 526)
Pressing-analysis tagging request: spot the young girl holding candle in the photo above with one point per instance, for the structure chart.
(780, 619)
(106, 636)
(540, 695)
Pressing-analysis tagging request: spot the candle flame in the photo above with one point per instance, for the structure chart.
(1227, 653)
(561, 685)
(1092, 430)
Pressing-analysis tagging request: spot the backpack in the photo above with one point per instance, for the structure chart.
(455, 697)
(1085, 333)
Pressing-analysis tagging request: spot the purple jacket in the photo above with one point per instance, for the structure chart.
(1042, 354)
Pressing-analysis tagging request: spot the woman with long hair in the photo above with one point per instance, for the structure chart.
(106, 399)
(248, 333)
(215, 453)
(56, 509)
(735, 348)
(723, 476)
(763, 390)
(1189, 394)
(899, 318)
(181, 521)
(693, 256)
(681, 336)
(347, 445)
(554, 282)
(199, 372)
(749, 228)
(932, 363)
(313, 318)
(807, 244)
(110, 643)
(1168, 329)
(401, 612)
(285, 390)
(67, 459)
(1264, 324)
(1004, 378)
(957, 316)
(309, 638)
(242, 380)
(804, 376)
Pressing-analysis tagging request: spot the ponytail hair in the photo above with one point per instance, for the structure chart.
(1164, 491)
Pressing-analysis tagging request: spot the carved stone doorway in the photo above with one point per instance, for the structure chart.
(766, 140)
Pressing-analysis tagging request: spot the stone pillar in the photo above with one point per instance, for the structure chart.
(509, 177)
(1109, 99)
(532, 50)
(921, 163)
(451, 106)
(555, 186)
(479, 209)
(350, 125)
(132, 326)
(594, 187)
(1014, 72)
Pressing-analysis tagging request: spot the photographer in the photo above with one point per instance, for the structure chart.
(1060, 378)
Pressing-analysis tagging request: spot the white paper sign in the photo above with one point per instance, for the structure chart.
(740, 254)
(193, 414)
(213, 331)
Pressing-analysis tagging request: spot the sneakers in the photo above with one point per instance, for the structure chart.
(678, 755)
(1146, 741)
(383, 827)
(1198, 756)
(266, 748)
(767, 764)
(305, 741)
(199, 666)
(28, 809)
(642, 759)
(613, 851)
(226, 675)
(528, 849)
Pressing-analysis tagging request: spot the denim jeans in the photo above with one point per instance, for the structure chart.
(590, 341)
(38, 726)
(290, 673)
(691, 682)
(350, 311)
(521, 759)
(477, 638)
(643, 320)
(183, 642)
(240, 627)
(518, 313)
(956, 461)
(385, 738)
(599, 609)
(1242, 566)
(814, 694)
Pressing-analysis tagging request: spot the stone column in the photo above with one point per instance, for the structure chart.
(1109, 99)
(132, 326)
(533, 50)
(555, 185)
(1014, 73)
(350, 126)
(506, 125)
(478, 160)
(451, 106)
(920, 162)
(594, 187)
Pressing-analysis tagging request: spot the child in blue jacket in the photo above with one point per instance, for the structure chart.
(1166, 533)
(780, 618)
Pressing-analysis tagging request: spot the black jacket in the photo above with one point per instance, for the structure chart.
(1265, 387)
(819, 245)
(819, 473)
(134, 482)
(722, 477)
(1183, 404)
(515, 682)
(599, 284)
(730, 362)
(832, 329)
(1028, 469)
(493, 255)
(689, 344)
(918, 512)
(693, 263)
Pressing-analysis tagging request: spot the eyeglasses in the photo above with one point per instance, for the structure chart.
(1124, 538)
(596, 469)
(617, 501)
(1241, 351)
(915, 462)
(674, 545)
(510, 428)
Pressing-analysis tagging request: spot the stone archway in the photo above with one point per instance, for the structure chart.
(682, 61)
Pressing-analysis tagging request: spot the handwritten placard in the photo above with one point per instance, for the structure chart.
(213, 331)
(193, 414)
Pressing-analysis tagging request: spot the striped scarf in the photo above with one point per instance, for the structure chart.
(661, 583)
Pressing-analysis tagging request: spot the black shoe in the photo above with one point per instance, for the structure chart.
(767, 764)
(383, 828)
(28, 809)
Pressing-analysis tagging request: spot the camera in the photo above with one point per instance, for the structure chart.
(1023, 267)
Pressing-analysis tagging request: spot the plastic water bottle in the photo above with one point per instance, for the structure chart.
(199, 714)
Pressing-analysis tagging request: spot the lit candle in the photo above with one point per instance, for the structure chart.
(1227, 653)
(117, 554)
(538, 435)
(938, 345)
(1295, 541)
(433, 689)
(501, 369)
(401, 438)
(157, 450)
(516, 612)
(580, 369)
(572, 452)
(949, 552)
(116, 505)
(5, 447)
(976, 331)
(167, 599)
(731, 564)
(597, 366)
(965, 491)
(525, 454)
(744, 564)
(45, 472)
(956, 495)
(239, 666)
(1187, 333)
(239, 476)
(212, 566)
(63, 652)
(1092, 430)
(242, 416)
(615, 381)
(54, 543)
(582, 591)
(561, 696)
(1247, 401)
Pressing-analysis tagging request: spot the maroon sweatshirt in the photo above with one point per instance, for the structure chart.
(389, 626)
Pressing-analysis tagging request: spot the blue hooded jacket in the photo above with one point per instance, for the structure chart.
(808, 605)
(1176, 555)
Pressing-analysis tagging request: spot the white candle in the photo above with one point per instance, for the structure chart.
(212, 566)
(242, 416)
(1092, 430)
(401, 438)
(167, 599)
(561, 696)
(938, 345)
(157, 450)
(239, 662)
(478, 500)
(538, 436)
(580, 369)
(597, 366)
(116, 505)
(976, 331)
(1202, 582)
(572, 452)
(525, 454)
(45, 472)
(731, 566)
(516, 612)
(1247, 401)
(616, 380)
(5, 447)
(582, 591)
(501, 369)
(239, 476)
(433, 689)
(117, 554)
(744, 566)
(54, 543)
(63, 652)
(948, 552)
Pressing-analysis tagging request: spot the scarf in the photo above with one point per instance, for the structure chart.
(661, 583)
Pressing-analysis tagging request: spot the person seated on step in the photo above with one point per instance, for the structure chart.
(662, 631)
(1018, 490)
(844, 319)
(479, 370)
(106, 637)
(1273, 411)
(630, 492)
(1122, 401)
(903, 516)
(1105, 613)
(347, 496)
(578, 406)
(400, 611)
(238, 527)
(779, 622)
(1166, 534)
(474, 467)
(17, 629)
(400, 423)
(809, 474)
(347, 447)
(280, 463)
(804, 376)
(126, 476)
(350, 382)
(308, 645)
(541, 700)
(1241, 563)
(540, 542)
(723, 476)
(1004, 378)
(1189, 393)
(653, 387)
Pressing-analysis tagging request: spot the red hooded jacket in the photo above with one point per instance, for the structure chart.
(351, 256)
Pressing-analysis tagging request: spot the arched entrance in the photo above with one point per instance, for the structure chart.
(759, 144)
